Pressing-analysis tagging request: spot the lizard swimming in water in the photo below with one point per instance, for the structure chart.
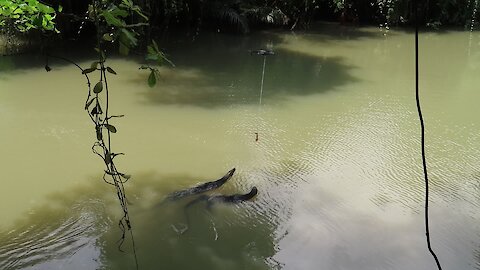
(235, 198)
(200, 188)
(210, 200)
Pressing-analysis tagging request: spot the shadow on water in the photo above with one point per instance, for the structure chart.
(217, 70)
(78, 229)
(26, 61)
(286, 75)
(225, 73)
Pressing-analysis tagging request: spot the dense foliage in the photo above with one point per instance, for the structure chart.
(25, 15)
(223, 15)
(242, 14)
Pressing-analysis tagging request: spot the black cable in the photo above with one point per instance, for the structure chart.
(422, 124)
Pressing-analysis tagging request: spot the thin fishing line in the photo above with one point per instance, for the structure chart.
(263, 76)
(261, 92)
(422, 125)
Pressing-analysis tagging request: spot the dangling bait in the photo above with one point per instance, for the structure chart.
(264, 53)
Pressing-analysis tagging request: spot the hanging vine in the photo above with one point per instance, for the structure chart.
(424, 159)
(103, 130)
(109, 20)
(97, 100)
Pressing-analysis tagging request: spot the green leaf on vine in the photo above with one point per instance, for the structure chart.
(112, 19)
(111, 128)
(109, 69)
(152, 79)
(98, 88)
(89, 70)
(128, 37)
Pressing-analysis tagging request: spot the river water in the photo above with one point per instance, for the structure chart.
(337, 162)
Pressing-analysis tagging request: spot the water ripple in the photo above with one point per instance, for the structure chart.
(39, 243)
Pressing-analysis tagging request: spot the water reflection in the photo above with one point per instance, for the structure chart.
(337, 163)
(65, 232)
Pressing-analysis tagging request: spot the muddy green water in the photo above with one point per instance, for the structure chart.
(337, 163)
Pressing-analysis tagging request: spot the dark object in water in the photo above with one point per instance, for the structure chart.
(263, 52)
(200, 188)
(235, 198)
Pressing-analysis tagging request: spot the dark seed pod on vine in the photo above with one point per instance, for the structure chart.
(97, 110)
(111, 128)
(89, 70)
(98, 88)
(109, 69)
